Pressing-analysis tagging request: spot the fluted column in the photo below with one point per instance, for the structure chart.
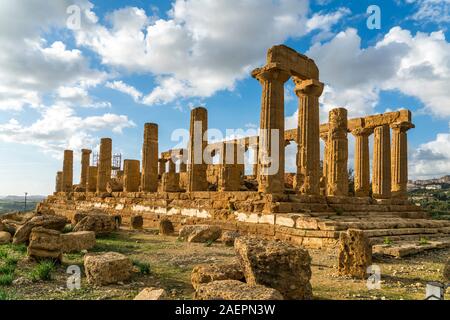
(197, 144)
(381, 180)
(149, 179)
(308, 144)
(131, 175)
(255, 160)
(85, 157)
(58, 182)
(323, 178)
(67, 176)
(162, 166)
(362, 161)
(104, 164)
(399, 160)
(337, 184)
(91, 185)
(271, 161)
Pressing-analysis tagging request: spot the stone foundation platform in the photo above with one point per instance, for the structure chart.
(311, 221)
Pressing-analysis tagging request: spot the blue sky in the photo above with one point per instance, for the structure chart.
(131, 62)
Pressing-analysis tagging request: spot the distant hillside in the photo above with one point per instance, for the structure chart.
(21, 198)
(16, 203)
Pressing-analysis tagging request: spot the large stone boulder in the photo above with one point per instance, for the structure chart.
(212, 272)
(46, 221)
(228, 237)
(99, 223)
(447, 270)
(136, 222)
(151, 294)
(107, 268)
(45, 244)
(2, 226)
(78, 241)
(5, 237)
(200, 233)
(79, 215)
(277, 265)
(355, 253)
(235, 290)
(10, 226)
(166, 227)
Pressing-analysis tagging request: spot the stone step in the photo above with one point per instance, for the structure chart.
(411, 237)
(406, 248)
(406, 231)
(386, 224)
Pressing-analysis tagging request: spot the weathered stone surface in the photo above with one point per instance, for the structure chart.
(47, 221)
(381, 171)
(213, 272)
(107, 268)
(149, 179)
(235, 290)
(99, 223)
(5, 237)
(136, 222)
(166, 227)
(276, 264)
(115, 185)
(10, 226)
(446, 272)
(77, 241)
(228, 237)
(151, 294)
(355, 253)
(67, 176)
(197, 144)
(45, 243)
(200, 233)
(104, 164)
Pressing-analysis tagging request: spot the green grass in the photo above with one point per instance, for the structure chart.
(423, 241)
(5, 295)
(387, 241)
(6, 279)
(42, 271)
(6, 268)
(3, 253)
(144, 267)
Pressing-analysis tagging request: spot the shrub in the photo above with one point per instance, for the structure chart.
(43, 271)
(6, 279)
(387, 241)
(144, 267)
(423, 241)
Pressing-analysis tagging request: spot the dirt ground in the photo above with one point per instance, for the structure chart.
(171, 262)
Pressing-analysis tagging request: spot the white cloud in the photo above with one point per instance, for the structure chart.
(31, 68)
(125, 88)
(60, 128)
(431, 159)
(431, 11)
(196, 51)
(417, 66)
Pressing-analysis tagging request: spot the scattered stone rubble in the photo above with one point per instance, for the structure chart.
(355, 253)
(151, 294)
(213, 272)
(45, 244)
(77, 241)
(106, 268)
(235, 290)
(200, 233)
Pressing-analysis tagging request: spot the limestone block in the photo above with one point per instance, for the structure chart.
(200, 233)
(47, 221)
(228, 237)
(78, 241)
(99, 223)
(107, 268)
(446, 272)
(278, 265)
(355, 253)
(5, 237)
(213, 272)
(151, 294)
(235, 290)
(45, 243)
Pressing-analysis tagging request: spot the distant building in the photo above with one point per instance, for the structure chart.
(433, 187)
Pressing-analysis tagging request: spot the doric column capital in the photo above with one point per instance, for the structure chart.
(271, 73)
(358, 132)
(402, 126)
(310, 87)
(86, 151)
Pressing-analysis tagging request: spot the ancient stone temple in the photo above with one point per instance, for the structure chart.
(311, 206)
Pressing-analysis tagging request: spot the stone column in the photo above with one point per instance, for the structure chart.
(67, 176)
(85, 156)
(255, 160)
(362, 161)
(131, 175)
(161, 166)
(381, 179)
(337, 184)
(229, 172)
(58, 184)
(271, 162)
(172, 166)
(149, 180)
(197, 144)
(104, 164)
(183, 166)
(91, 185)
(399, 160)
(170, 181)
(308, 144)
